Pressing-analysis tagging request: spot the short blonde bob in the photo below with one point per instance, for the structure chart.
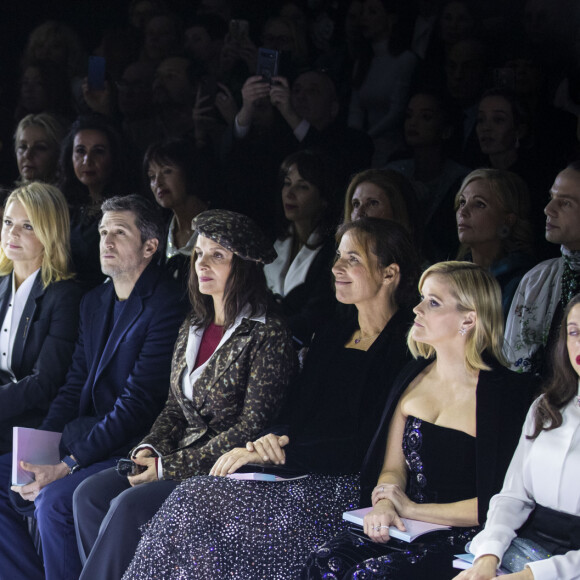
(48, 213)
(55, 133)
(475, 290)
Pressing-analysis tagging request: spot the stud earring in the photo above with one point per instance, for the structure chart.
(462, 331)
(504, 232)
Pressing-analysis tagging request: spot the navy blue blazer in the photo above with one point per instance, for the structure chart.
(120, 373)
(41, 354)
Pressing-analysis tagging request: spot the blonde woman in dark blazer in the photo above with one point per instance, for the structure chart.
(232, 363)
(39, 306)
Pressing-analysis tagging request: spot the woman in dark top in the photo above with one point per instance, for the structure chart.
(94, 164)
(300, 277)
(223, 527)
(39, 306)
(178, 178)
(445, 445)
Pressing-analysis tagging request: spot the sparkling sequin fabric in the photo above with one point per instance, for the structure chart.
(216, 528)
(412, 442)
(433, 476)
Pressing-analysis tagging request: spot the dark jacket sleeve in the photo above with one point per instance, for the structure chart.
(311, 304)
(47, 352)
(503, 400)
(65, 406)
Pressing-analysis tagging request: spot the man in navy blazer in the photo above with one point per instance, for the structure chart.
(115, 388)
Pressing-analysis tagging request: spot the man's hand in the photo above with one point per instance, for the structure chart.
(43, 475)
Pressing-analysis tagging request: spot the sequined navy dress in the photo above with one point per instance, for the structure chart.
(441, 469)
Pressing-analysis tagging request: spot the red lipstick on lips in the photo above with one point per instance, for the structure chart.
(578, 360)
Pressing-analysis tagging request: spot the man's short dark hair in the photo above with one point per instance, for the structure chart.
(147, 217)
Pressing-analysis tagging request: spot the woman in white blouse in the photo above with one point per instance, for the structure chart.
(541, 491)
(38, 305)
(300, 277)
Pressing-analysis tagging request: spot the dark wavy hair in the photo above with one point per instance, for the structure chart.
(245, 288)
(322, 171)
(121, 181)
(391, 243)
(563, 384)
(183, 154)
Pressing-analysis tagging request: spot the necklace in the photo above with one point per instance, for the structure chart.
(361, 337)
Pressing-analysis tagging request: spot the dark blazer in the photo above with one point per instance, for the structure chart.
(41, 354)
(310, 305)
(239, 392)
(119, 376)
(502, 402)
(321, 441)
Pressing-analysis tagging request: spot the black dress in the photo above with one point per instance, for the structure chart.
(441, 469)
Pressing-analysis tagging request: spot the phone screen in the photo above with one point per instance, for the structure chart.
(96, 76)
(268, 61)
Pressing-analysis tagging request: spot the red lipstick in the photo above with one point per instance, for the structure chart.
(578, 360)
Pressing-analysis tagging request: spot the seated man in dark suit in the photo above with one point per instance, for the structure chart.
(115, 388)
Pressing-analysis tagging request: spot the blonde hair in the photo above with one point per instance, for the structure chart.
(475, 290)
(54, 129)
(513, 196)
(65, 35)
(48, 213)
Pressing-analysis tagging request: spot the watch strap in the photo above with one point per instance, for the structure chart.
(71, 464)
